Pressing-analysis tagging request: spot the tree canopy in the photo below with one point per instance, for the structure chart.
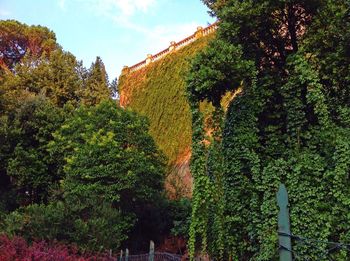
(74, 166)
(19, 40)
(41, 84)
(105, 159)
(109, 152)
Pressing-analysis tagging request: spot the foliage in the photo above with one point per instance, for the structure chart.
(74, 167)
(218, 71)
(289, 124)
(59, 77)
(43, 85)
(157, 222)
(17, 249)
(26, 133)
(18, 40)
(91, 224)
(107, 153)
(95, 213)
(157, 91)
(96, 84)
(181, 216)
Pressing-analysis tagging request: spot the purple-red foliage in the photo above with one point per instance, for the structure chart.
(17, 249)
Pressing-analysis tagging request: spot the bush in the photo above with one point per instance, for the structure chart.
(95, 227)
(181, 217)
(17, 249)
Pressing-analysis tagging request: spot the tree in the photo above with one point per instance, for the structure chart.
(58, 77)
(42, 79)
(18, 40)
(33, 63)
(107, 153)
(289, 123)
(96, 88)
(105, 168)
(114, 89)
(26, 165)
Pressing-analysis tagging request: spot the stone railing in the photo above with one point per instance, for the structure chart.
(173, 46)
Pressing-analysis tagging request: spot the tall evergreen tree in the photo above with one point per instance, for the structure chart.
(96, 87)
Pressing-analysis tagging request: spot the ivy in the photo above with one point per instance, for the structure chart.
(289, 124)
(157, 91)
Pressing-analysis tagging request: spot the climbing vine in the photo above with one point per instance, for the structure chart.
(157, 91)
(289, 123)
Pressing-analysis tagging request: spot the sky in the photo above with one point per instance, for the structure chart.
(121, 32)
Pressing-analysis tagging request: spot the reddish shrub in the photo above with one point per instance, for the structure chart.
(16, 249)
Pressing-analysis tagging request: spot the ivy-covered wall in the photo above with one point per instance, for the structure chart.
(157, 91)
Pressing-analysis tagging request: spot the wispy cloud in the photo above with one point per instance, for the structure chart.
(4, 13)
(61, 4)
(125, 8)
(158, 37)
(129, 7)
(124, 13)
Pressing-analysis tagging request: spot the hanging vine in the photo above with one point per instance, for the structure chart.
(289, 124)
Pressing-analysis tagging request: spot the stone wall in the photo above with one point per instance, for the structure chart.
(173, 46)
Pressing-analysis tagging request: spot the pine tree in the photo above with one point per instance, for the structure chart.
(96, 87)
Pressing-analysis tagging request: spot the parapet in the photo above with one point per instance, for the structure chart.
(173, 47)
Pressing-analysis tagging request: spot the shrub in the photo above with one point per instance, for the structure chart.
(16, 248)
(95, 227)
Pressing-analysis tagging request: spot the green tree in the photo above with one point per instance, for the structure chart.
(40, 79)
(7, 193)
(107, 152)
(58, 77)
(96, 87)
(26, 166)
(110, 173)
(108, 143)
(289, 123)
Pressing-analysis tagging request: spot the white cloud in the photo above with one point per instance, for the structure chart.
(143, 37)
(61, 4)
(4, 13)
(129, 7)
(157, 38)
(123, 12)
(124, 7)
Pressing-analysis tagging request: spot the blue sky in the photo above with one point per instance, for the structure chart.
(122, 32)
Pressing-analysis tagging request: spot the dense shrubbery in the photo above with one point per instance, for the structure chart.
(74, 166)
(289, 124)
(16, 248)
(95, 227)
(105, 160)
